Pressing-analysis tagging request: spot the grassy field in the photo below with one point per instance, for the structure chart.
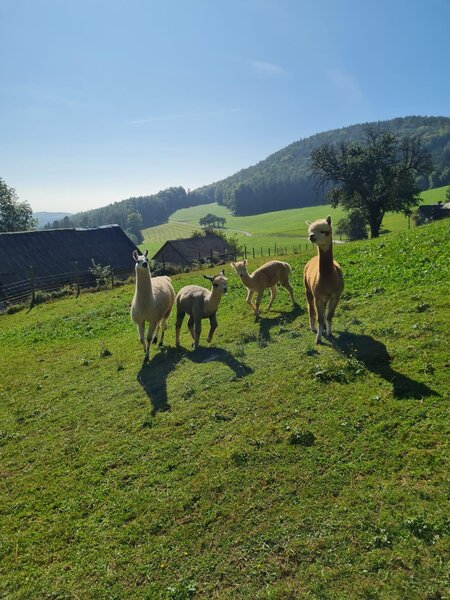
(285, 227)
(260, 467)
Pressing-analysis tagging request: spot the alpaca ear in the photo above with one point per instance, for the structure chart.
(135, 255)
(329, 220)
(233, 265)
(208, 277)
(222, 272)
(146, 253)
(308, 223)
(245, 262)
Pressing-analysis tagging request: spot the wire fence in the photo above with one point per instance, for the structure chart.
(36, 288)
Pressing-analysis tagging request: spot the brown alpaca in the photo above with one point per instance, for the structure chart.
(323, 279)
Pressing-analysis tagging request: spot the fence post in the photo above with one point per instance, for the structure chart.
(269, 250)
(253, 252)
(33, 297)
(261, 252)
(77, 271)
(275, 251)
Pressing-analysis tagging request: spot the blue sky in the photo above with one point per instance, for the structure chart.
(105, 99)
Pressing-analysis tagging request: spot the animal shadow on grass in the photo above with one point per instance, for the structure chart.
(153, 378)
(153, 375)
(283, 318)
(374, 355)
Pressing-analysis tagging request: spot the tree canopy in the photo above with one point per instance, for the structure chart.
(14, 215)
(374, 176)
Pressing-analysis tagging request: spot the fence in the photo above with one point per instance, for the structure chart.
(27, 289)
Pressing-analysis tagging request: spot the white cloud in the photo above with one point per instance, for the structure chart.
(267, 68)
(346, 86)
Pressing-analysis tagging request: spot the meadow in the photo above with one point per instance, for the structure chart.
(263, 466)
(286, 228)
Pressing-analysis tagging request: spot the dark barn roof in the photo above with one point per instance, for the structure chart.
(54, 251)
(434, 211)
(185, 252)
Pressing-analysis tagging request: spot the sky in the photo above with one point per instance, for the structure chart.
(101, 100)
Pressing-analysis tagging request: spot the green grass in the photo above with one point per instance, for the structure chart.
(286, 228)
(262, 467)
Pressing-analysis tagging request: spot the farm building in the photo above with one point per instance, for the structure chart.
(187, 251)
(48, 259)
(432, 212)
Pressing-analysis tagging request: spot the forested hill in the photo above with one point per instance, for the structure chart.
(282, 180)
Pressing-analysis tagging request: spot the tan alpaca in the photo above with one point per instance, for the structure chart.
(265, 277)
(199, 303)
(323, 278)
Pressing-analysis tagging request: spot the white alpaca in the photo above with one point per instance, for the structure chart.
(200, 303)
(153, 301)
(265, 277)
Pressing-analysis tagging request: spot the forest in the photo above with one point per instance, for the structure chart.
(281, 181)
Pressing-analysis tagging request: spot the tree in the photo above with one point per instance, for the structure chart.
(133, 227)
(353, 226)
(375, 176)
(447, 195)
(14, 215)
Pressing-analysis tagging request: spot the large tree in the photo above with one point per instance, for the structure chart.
(375, 176)
(14, 215)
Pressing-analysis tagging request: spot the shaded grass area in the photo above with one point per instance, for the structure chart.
(263, 466)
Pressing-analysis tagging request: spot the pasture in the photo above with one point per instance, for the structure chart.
(261, 467)
(286, 228)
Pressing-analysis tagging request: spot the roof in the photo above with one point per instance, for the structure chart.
(188, 250)
(54, 251)
(434, 211)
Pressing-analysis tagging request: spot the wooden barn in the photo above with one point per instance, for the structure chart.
(197, 249)
(433, 212)
(50, 258)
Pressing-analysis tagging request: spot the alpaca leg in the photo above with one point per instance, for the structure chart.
(312, 310)
(320, 308)
(141, 331)
(163, 330)
(178, 324)
(150, 335)
(213, 324)
(191, 327)
(330, 314)
(290, 289)
(249, 299)
(258, 302)
(197, 332)
(155, 335)
(273, 295)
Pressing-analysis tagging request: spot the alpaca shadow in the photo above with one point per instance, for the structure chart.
(283, 318)
(374, 355)
(213, 354)
(153, 378)
(153, 375)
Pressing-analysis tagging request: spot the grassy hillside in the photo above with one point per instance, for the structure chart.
(283, 227)
(260, 467)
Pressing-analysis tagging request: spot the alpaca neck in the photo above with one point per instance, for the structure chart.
(214, 299)
(247, 279)
(143, 284)
(326, 263)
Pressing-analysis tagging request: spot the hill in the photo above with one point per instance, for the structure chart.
(279, 182)
(262, 467)
(282, 180)
(285, 228)
(44, 218)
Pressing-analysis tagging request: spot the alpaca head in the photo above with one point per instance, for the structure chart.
(141, 261)
(320, 232)
(240, 267)
(218, 281)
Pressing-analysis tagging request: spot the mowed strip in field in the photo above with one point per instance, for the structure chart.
(285, 228)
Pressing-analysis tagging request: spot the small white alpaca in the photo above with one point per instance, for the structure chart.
(266, 276)
(199, 303)
(153, 301)
(323, 278)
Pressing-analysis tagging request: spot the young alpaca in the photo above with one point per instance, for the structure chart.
(323, 278)
(266, 276)
(153, 301)
(199, 303)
